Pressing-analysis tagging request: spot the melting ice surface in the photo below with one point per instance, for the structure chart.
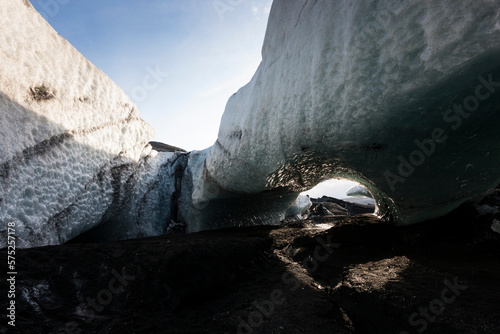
(402, 97)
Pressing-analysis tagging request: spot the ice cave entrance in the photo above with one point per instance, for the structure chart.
(346, 190)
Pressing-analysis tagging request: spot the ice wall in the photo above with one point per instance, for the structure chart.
(68, 134)
(400, 96)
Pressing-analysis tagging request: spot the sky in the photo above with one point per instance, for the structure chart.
(178, 60)
(202, 51)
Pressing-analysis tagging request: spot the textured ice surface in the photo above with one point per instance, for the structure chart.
(400, 96)
(145, 198)
(204, 205)
(65, 129)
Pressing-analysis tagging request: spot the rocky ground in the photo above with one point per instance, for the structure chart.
(329, 274)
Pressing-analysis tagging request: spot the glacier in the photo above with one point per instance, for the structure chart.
(68, 134)
(402, 97)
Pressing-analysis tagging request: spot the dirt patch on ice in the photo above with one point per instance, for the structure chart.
(344, 275)
(41, 93)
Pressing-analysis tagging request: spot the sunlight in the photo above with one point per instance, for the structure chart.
(335, 188)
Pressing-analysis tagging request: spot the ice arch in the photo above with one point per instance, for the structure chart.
(402, 97)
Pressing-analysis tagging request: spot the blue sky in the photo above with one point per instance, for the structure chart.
(205, 51)
(202, 52)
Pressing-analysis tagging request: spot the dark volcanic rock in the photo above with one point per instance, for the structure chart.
(350, 275)
(198, 283)
(119, 285)
(162, 147)
(441, 276)
(326, 206)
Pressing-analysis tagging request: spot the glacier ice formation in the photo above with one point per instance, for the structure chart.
(66, 131)
(400, 96)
